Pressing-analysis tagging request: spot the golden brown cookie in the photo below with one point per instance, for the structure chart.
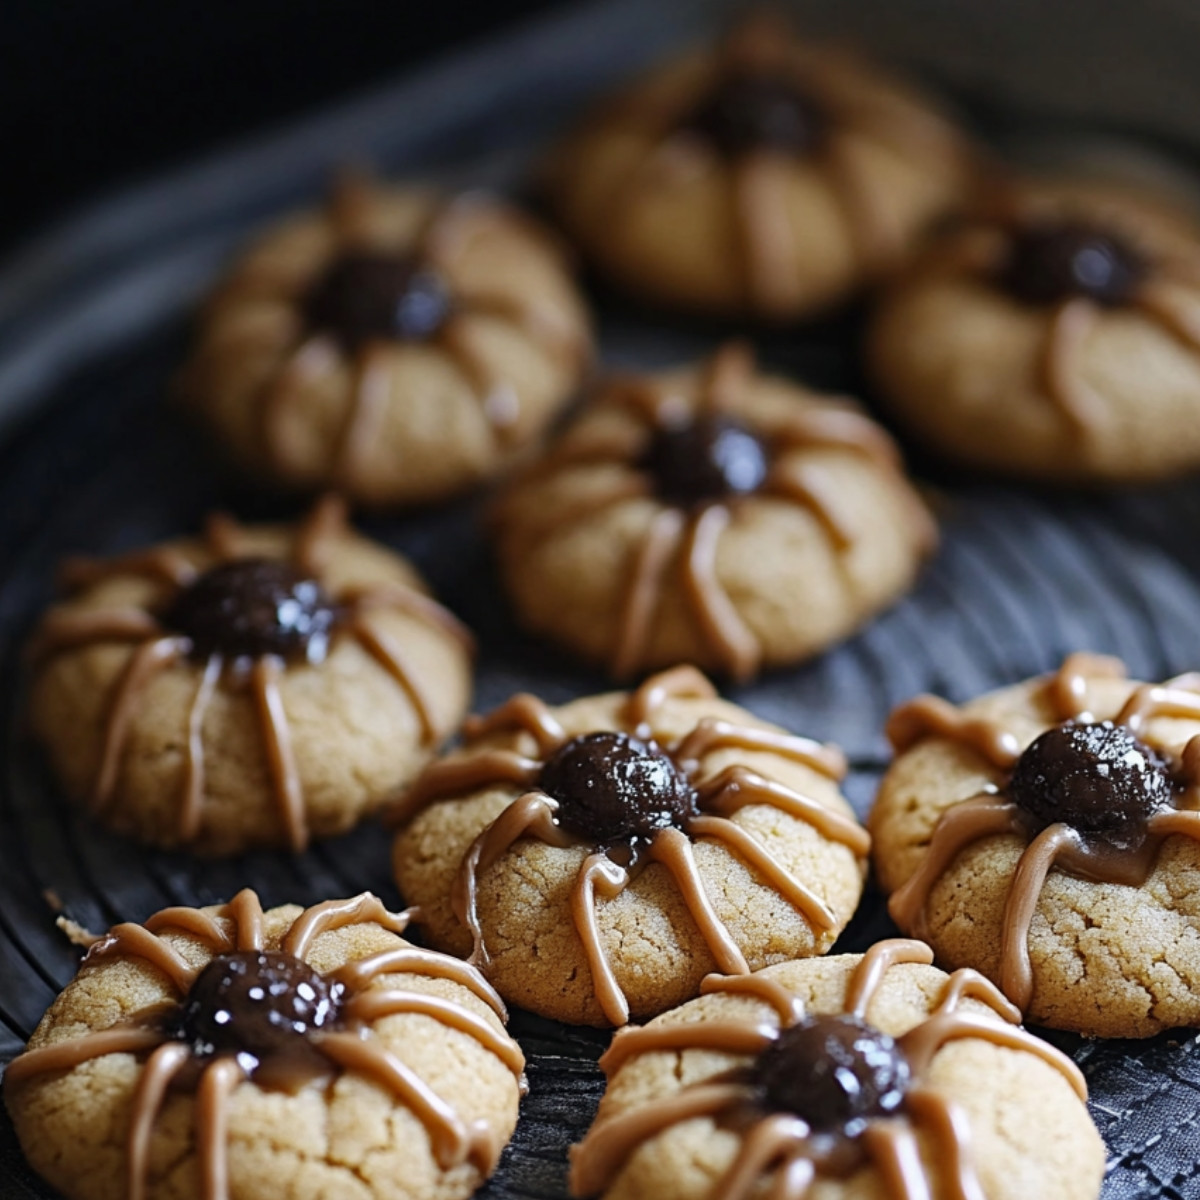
(1055, 335)
(598, 859)
(762, 177)
(837, 1078)
(251, 687)
(226, 1052)
(398, 345)
(1046, 834)
(710, 515)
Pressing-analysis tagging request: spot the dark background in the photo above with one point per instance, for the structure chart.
(95, 93)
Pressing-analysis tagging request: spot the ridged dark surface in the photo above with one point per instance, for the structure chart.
(1021, 579)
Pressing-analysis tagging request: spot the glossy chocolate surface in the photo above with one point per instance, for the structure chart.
(253, 607)
(1050, 262)
(1096, 777)
(748, 112)
(365, 295)
(256, 1004)
(708, 458)
(835, 1072)
(612, 787)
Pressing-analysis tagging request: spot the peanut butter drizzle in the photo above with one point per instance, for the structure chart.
(762, 862)
(653, 556)
(763, 215)
(810, 488)
(530, 815)
(789, 1008)
(453, 776)
(325, 525)
(372, 1005)
(779, 1146)
(453, 1142)
(414, 603)
(1070, 327)
(931, 716)
(718, 618)
(736, 787)
(878, 960)
(599, 874)
(191, 808)
(384, 650)
(370, 398)
(66, 630)
(523, 711)
(1176, 318)
(1156, 700)
(713, 733)
(277, 740)
(146, 662)
(1067, 689)
(162, 564)
(676, 683)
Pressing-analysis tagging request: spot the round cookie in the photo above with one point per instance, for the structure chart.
(837, 1078)
(223, 1052)
(1055, 335)
(399, 345)
(761, 177)
(252, 687)
(598, 859)
(710, 515)
(1046, 834)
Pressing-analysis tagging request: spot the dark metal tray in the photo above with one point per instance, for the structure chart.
(92, 324)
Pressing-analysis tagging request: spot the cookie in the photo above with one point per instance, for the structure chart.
(226, 1051)
(1055, 335)
(851, 1076)
(1046, 834)
(252, 687)
(763, 177)
(712, 515)
(400, 346)
(597, 860)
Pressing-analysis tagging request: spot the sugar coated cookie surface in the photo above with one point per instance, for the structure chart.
(1049, 835)
(866, 1077)
(256, 686)
(1055, 335)
(398, 345)
(226, 1052)
(598, 859)
(714, 515)
(761, 177)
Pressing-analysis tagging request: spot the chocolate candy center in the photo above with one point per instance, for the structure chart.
(612, 787)
(256, 1004)
(1098, 778)
(1054, 261)
(835, 1072)
(709, 458)
(252, 607)
(365, 295)
(746, 112)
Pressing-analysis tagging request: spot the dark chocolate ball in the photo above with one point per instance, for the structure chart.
(252, 607)
(1055, 261)
(706, 459)
(1098, 778)
(256, 1004)
(612, 787)
(746, 112)
(365, 295)
(834, 1072)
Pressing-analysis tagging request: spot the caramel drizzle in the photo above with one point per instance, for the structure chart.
(779, 1150)
(687, 543)
(317, 355)
(532, 814)
(759, 181)
(240, 923)
(155, 651)
(990, 813)
(1070, 322)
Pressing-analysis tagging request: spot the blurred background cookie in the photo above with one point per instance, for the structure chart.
(399, 345)
(760, 177)
(1055, 334)
(712, 515)
(598, 859)
(256, 686)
